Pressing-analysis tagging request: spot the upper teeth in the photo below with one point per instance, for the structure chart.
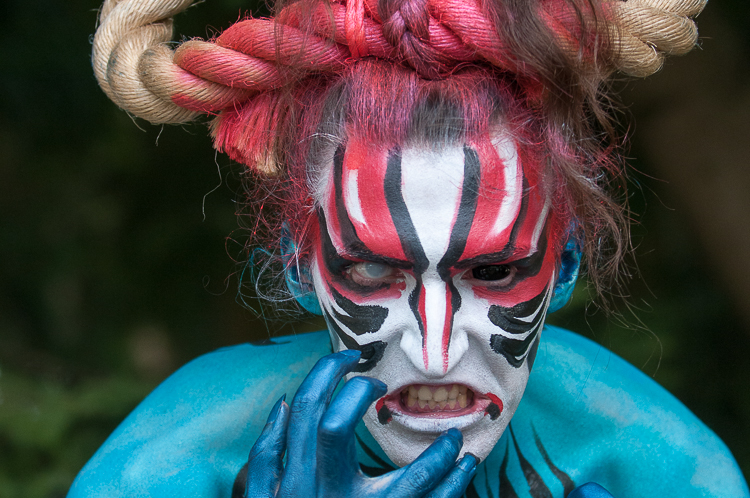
(453, 396)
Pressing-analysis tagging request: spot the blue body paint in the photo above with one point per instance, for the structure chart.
(587, 415)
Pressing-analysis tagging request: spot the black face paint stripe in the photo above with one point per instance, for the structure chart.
(507, 251)
(414, 306)
(466, 211)
(509, 319)
(372, 352)
(394, 199)
(361, 319)
(513, 350)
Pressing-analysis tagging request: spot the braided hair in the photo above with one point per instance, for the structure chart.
(284, 90)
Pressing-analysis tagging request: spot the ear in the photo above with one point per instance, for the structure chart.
(570, 262)
(297, 276)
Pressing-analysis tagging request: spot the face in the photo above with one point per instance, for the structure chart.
(437, 266)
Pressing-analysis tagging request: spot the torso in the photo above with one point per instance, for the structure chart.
(587, 415)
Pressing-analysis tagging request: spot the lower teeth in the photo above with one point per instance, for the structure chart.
(413, 403)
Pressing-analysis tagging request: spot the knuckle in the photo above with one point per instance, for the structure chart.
(305, 402)
(421, 479)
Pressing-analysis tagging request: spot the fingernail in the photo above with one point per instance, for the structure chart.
(276, 409)
(354, 353)
(468, 463)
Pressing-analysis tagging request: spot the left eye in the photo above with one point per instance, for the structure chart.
(496, 274)
(369, 274)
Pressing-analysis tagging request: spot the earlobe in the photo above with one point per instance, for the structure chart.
(570, 262)
(297, 276)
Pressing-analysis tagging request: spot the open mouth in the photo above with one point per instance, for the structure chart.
(437, 401)
(427, 399)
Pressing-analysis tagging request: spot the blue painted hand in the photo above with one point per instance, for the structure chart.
(317, 435)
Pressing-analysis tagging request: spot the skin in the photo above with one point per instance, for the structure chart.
(323, 462)
(436, 265)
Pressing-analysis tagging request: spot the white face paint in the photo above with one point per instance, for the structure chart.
(437, 266)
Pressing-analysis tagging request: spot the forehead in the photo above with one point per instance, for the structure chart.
(476, 199)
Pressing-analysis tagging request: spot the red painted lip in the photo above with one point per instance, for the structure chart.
(396, 403)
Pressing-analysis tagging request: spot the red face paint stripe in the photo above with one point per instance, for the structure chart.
(493, 189)
(377, 230)
(447, 325)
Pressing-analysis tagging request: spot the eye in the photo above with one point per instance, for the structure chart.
(494, 274)
(369, 274)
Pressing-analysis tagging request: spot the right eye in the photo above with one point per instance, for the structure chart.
(369, 274)
(497, 274)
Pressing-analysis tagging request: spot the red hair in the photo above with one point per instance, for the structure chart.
(503, 63)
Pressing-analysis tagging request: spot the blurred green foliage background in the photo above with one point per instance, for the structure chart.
(118, 240)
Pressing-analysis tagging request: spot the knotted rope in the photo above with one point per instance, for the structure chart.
(137, 70)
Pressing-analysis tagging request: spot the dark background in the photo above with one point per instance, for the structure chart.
(118, 240)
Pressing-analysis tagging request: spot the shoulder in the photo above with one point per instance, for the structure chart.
(196, 428)
(604, 418)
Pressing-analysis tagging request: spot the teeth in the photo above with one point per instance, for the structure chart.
(433, 398)
(462, 401)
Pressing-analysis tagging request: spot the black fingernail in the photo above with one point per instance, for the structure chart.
(276, 409)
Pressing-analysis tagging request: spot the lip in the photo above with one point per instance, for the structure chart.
(436, 421)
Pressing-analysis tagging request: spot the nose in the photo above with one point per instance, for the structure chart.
(433, 346)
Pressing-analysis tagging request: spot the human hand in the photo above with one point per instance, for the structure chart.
(317, 435)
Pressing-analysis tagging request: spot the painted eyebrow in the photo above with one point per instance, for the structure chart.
(365, 254)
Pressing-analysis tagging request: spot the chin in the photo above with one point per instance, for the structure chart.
(408, 419)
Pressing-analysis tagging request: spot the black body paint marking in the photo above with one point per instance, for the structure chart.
(240, 483)
(567, 482)
(384, 415)
(493, 411)
(394, 199)
(537, 486)
(507, 251)
(383, 468)
(360, 318)
(471, 490)
(506, 488)
(407, 233)
(372, 352)
(507, 319)
(461, 227)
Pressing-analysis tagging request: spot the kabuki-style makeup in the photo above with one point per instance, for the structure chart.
(437, 264)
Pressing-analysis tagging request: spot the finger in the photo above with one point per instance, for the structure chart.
(307, 408)
(336, 453)
(424, 473)
(455, 483)
(264, 464)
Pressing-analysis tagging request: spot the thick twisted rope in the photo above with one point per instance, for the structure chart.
(139, 72)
